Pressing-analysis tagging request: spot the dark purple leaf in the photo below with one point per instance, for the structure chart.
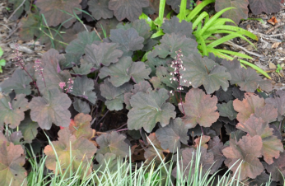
(51, 108)
(129, 39)
(199, 109)
(259, 6)
(130, 9)
(175, 26)
(99, 9)
(172, 135)
(19, 82)
(12, 111)
(55, 11)
(124, 70)
(114, 95)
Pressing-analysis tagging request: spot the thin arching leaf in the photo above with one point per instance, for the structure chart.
(189, 157)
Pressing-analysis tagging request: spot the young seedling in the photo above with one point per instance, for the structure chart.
(2, 61)
(278, 69)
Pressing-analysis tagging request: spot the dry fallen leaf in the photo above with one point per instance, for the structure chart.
(275, 45)
(273, 20)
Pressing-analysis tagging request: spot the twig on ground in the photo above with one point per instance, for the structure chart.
(6, 27)
(273, 28)
(12, 32)
(240, 47)
(16, 9)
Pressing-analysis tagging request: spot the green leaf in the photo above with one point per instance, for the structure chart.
(84, 69)
(199, 108)
(114, 95)
(104, 53)
(124, 70)
(171, 135)
(162, 79)
(76, 47)
(83, 87)
(29, 129)
(204, 71)
(71, 153)
(113, 142)
(142, 86)
(227, 110)
(148, 109)
(81, 106)
(51, 108)
(12, 111)
(19, 82)
(1, 52)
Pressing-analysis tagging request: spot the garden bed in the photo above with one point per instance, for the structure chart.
(148, 91)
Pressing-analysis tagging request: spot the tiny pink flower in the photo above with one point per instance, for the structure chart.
(62, 85)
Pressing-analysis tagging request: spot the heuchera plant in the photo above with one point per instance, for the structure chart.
(55, 23)
(169, 101)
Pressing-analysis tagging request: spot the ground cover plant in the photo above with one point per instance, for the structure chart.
(125, 96)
